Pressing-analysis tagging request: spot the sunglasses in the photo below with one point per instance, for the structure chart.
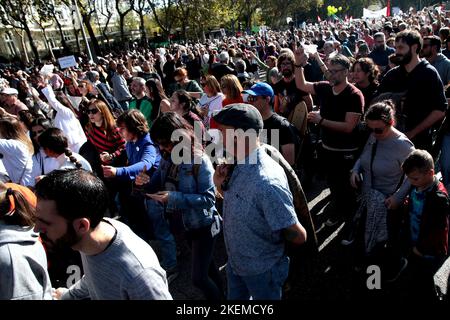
(202, 84)
(377, 130)
(92, 111)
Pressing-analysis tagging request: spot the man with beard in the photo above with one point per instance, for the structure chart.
(423, 104)
(341, 107)
(287, 95)
(431, 50)
(118, 265)
(380, 53)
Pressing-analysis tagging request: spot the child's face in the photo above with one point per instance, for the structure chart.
(421, 179)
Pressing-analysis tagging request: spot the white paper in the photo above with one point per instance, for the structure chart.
(67, 62)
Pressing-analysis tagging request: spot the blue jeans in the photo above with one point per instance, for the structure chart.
(161, 232)
(265, 286)
(444, 159)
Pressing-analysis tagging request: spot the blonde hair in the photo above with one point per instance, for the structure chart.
(11, 129)
(231, 82)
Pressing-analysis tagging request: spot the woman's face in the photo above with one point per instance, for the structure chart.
(175, 104)
(36, 131)
(126, 135)
(359, 76)
(379, 128)
(166, 149)
(224, 88)
(95, 116)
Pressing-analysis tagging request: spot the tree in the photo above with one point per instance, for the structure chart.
(164, 12)
(105, 9)
(43, 18)
(141, 8)
(126, 6)
(16, 13)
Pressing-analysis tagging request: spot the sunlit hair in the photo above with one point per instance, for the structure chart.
(233, 86)
(108, 120)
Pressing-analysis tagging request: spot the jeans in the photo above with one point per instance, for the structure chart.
(444, 159)
(161, 232)
(265, 286)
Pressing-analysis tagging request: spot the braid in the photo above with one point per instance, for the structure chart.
(72, 159)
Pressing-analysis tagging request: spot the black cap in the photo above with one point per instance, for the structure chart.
(240, 116)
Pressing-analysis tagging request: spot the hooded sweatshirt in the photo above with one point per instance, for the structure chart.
(23, 265)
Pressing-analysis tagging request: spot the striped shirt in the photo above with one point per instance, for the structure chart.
(98, 137)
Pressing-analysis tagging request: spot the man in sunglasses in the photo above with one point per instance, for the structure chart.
(341, 107)
(279, 132)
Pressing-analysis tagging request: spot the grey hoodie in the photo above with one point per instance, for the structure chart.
(23, 265)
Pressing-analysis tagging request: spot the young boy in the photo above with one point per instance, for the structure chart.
(429, 209)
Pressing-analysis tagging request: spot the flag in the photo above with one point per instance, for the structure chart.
(318, 19)
(388, 8)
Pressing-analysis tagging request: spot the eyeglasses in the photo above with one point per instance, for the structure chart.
(426, 45)
(92, 111)
(284, 64)
(251, 98)
(333, 72)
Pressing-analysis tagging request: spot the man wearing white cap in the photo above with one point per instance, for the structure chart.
(11, 102)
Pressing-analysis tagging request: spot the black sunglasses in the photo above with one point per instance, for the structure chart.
(377, 130)
(91, 111)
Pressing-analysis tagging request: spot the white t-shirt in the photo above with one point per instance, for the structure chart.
(214, 103)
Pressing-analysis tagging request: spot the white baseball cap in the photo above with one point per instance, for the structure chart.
(9, 91)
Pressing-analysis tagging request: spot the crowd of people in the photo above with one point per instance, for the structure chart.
(89, 160)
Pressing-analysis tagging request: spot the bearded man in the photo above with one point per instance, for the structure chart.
(287, 95)
(424, 104)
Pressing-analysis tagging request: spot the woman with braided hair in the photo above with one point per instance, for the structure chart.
(23, 263)
(55, 145)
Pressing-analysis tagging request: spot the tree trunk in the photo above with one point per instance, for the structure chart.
(32, 45)
(96, 47)
(122, 30)
(61, 34)
(24, 47)
(143, 33)
(47, 44)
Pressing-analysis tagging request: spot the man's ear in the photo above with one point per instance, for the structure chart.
(81, 225)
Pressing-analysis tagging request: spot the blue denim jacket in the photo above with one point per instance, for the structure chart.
(195, 196)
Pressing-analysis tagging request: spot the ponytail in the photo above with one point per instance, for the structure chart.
(17, 205)
(72, 159)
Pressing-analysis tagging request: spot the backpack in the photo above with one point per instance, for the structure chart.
(300, 204)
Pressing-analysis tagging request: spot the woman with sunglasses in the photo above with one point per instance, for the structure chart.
(184, 83)
(211, 101)
(379, 166)
(42, 164)
(103, 133)
(183, 190)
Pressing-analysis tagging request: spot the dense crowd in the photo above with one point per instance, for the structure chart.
(90, 160)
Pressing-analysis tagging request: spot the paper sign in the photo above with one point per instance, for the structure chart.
(47, 69)
(67, 62)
